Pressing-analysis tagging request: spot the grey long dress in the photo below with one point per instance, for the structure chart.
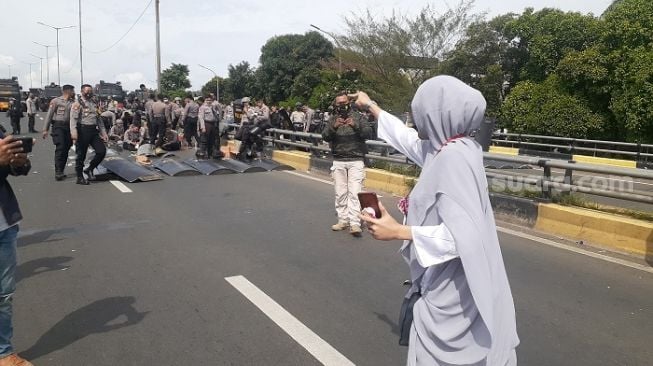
(466, 314)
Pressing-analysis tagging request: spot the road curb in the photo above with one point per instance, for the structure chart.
(617, 233)
(613, 232)
(524, 210)
(299, 160)
(381, 180)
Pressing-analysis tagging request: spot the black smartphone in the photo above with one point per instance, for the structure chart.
(370, 200)
(28, 142)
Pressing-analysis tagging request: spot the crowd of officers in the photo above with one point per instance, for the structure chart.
(85, 122)
(200, 123)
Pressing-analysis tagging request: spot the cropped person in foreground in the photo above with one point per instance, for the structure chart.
(460, 300)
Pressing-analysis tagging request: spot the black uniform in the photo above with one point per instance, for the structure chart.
(59, 118)
(15, 113)
(84, 117)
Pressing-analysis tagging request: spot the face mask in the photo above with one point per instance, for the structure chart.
(343, 110)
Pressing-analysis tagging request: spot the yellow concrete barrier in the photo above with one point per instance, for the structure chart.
(504, 150)
(605, 161)
(381, 180)
(614, 232)
(297, 159)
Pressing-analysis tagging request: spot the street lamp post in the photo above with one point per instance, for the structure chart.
(30, 73)
(158, 50)
(58, 62)
(337, 44)
(47, 59)
(81, 57)
(40, 67)
(217, 82)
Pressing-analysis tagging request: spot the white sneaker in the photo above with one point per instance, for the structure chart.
(340, 226)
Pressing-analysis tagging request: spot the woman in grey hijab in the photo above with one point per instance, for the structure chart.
(465, 314)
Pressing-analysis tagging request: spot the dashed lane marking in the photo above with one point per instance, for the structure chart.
(121, 187)
(316, 346)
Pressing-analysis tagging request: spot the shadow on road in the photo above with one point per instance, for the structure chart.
(41, 237)
(42, 265)
(98, 317)
(394, 328)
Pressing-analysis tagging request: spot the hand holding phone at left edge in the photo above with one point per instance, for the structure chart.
(386, 228)
(10, 149)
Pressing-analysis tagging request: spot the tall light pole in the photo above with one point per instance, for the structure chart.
(30, 73)
(158, 51)
(337, 44)
(41, 67)
(47, 59)
(217, 82)
(58, 62)
(81, 57)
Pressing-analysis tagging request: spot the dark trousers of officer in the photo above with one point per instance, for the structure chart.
(30, 122)
(88, 136)
(62, 143)
(157, 131)
(209, 138)
(15, 125)
(175, 121)
(190, 130)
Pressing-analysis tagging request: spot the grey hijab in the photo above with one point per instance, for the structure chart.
(466, 314)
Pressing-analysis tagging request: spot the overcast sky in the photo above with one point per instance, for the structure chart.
(213, 33)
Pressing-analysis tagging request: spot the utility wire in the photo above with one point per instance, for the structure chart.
(126, 33)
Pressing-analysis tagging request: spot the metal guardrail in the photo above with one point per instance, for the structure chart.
(546, 182)
(641, 152)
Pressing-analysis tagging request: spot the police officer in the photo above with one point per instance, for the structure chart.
(208, 126)
(87, 129)
(189, 117)
(159, 117)
(59, 118)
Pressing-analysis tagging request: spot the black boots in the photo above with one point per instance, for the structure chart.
(89, 174)
(82, 181)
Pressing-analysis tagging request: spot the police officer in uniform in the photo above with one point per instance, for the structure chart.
(208, 126)
(158, 120)
(189, 117)
(59, 118)
(87, 130)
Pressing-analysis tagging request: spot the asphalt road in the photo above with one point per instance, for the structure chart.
(111, 278)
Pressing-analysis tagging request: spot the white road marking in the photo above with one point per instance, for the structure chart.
(121, 187)
(539, 240)
(309, 177)
(552, 243)
(329, 182)
(316, 346)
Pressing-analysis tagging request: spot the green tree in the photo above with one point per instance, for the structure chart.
(225, 92)
(627, 44)
(174, 80)
(547, 109)
(287, 58)
(481, 59)
(242, 80)
(545, 37)
(399, 52)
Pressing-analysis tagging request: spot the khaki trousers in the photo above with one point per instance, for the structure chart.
(348, 177)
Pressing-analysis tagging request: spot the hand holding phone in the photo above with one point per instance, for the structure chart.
(27, 143)
(369, 200)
